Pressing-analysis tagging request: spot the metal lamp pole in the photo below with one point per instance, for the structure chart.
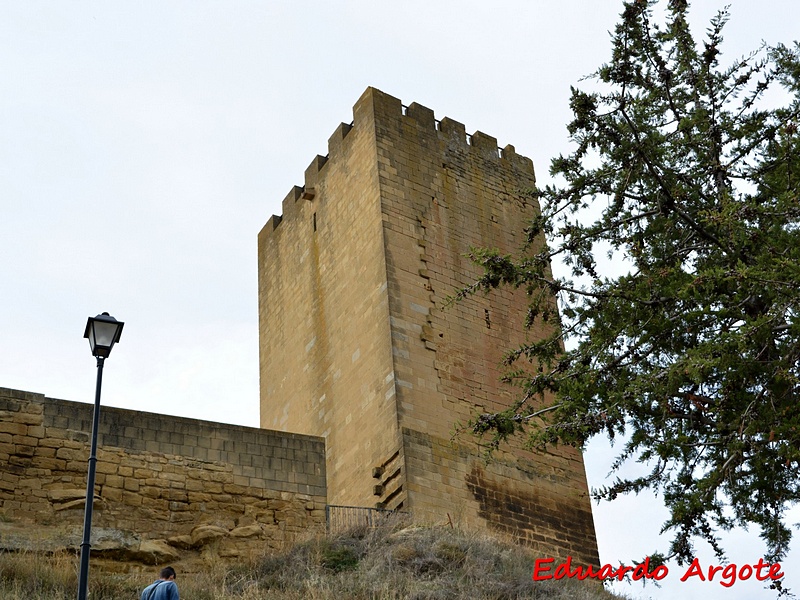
(103, 332)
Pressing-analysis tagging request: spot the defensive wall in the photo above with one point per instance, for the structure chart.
(361, 354)
(359, 344)
(167, 488)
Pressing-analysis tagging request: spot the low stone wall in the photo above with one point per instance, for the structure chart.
(166, 487)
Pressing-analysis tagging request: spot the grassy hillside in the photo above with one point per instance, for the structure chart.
(386, 563)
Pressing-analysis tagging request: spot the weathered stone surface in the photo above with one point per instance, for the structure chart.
(380, 232)
(150, 505)
(13, 428)
(71, 504)
(111, 540)
(357, 344)
(65, 494)
(157, 552)
(207, 533)
(180, 541)
(246, 531)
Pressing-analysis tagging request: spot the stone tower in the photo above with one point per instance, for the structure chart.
(359, 345)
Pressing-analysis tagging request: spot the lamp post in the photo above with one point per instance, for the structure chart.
(103, 332)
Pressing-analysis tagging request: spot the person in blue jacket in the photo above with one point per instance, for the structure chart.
(163, 588)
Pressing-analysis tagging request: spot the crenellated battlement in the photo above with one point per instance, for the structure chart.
(359, 345)
(376, 109)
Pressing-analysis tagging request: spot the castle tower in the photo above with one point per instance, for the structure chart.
(358, 344)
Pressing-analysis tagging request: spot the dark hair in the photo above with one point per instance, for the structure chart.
(167, 572)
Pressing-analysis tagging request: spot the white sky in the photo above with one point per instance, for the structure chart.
(144, 145)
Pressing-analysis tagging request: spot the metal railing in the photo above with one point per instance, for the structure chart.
(340, 518)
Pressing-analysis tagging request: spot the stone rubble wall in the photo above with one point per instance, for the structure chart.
(166, 487)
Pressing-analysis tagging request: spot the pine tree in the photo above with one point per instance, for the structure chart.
(686, 174)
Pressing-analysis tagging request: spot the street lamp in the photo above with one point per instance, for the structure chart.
(103, 332)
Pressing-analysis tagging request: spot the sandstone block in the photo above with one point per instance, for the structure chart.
(36, 431)
(131, 499)
(246, 531)
(71, 504)
(106, 467)
(114, 481)
(180, 541)
(175, 495)
(13, 428)
(112, 494)
(158, 504)
(199, 497)
(72, 454)
(204, 534)
(65, 494)
(131, 484)
(26, 418)
(50, 441)
(157, 552)
(194, 486)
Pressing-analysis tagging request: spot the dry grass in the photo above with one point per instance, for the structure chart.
(378, 564)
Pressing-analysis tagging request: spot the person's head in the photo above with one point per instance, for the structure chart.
(167, 573)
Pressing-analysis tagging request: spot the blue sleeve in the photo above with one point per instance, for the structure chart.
(172, 591)
(146, 592)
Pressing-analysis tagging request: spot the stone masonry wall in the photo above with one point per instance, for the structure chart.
(325, 350)
(444, 192)
(360, 345)
(525, 499)
(166, 487)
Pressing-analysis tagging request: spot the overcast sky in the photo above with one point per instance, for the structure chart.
(143, 145)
